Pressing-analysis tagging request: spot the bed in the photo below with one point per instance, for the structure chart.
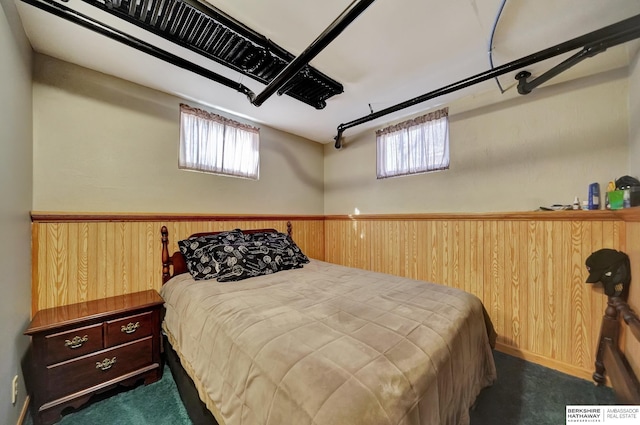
(326, 344)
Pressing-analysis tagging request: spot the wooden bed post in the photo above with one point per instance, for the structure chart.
(289, 228)
(630, 318)
(166, 260)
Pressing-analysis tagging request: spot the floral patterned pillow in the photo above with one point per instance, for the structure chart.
(243, 260)
(196, 252)
(279, 241)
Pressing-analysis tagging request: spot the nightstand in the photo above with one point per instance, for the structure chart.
(82, 349)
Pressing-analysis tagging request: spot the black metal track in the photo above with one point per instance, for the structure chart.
(328, 35)
(117, 35)
(215, 35)
(592, 42)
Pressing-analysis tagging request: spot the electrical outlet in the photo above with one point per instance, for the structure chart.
(14, 389)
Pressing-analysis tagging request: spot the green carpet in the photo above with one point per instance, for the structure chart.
(525, 394)
(156, 404)
(529, 394)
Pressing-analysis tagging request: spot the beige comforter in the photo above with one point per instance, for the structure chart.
(328, 344)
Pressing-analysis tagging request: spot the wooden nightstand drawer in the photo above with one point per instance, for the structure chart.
(74, 375)
(74, 343)
(111, 341)
(127, 329)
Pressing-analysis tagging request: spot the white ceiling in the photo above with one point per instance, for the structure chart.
(394, 51)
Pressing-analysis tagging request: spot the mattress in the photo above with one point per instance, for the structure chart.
(328, 344)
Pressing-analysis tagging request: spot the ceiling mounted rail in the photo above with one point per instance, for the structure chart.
(117, 35)
(299, 63)
(592, 43)
(200, 27)
(589, 51)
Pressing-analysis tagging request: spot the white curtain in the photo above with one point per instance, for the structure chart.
(214, 144)
(415, 146)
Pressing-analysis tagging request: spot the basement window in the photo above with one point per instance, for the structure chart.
(214, 144)
(415, 146)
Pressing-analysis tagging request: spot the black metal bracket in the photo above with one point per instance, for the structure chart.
(591, 43)
(338, 138)
(526, 87)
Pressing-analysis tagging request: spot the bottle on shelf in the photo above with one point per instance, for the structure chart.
(576, 204)
(594, 196)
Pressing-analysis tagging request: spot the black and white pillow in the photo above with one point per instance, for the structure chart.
(197, 252)
(279, 241)
(243, 260)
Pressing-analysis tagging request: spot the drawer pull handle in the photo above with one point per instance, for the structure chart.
(106, 363)
(130, 328)
(76, 342)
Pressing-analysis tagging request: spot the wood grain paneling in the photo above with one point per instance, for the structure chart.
(632, 346)
(529, 273)
(527, 268)
(76, 261)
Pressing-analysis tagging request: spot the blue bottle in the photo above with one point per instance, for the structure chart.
(594, 196)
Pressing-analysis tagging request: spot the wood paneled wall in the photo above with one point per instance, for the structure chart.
(632, 346)
(85, 257)
(527, 268)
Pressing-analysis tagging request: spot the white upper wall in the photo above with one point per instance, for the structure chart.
(515, 155)
(102, 144)
(15, 192)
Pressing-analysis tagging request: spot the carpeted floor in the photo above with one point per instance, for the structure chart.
(525, 394)
(529, 394)
(154, 404)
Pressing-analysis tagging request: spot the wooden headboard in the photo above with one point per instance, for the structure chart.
(175, 264)
(610, 359)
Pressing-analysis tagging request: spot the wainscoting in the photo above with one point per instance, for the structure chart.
(528, 268)
(79, 258)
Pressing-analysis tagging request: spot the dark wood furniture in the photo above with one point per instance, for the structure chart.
(610, 359)
(83, 349)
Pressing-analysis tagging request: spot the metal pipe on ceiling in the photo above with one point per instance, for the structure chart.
(117, 35)
(525, 87)
(202, 28)
(323, 40)
(605, 37)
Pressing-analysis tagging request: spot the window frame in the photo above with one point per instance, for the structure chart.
(228, 148)
(415, 151)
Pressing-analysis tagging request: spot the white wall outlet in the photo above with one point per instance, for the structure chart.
(14, 389)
